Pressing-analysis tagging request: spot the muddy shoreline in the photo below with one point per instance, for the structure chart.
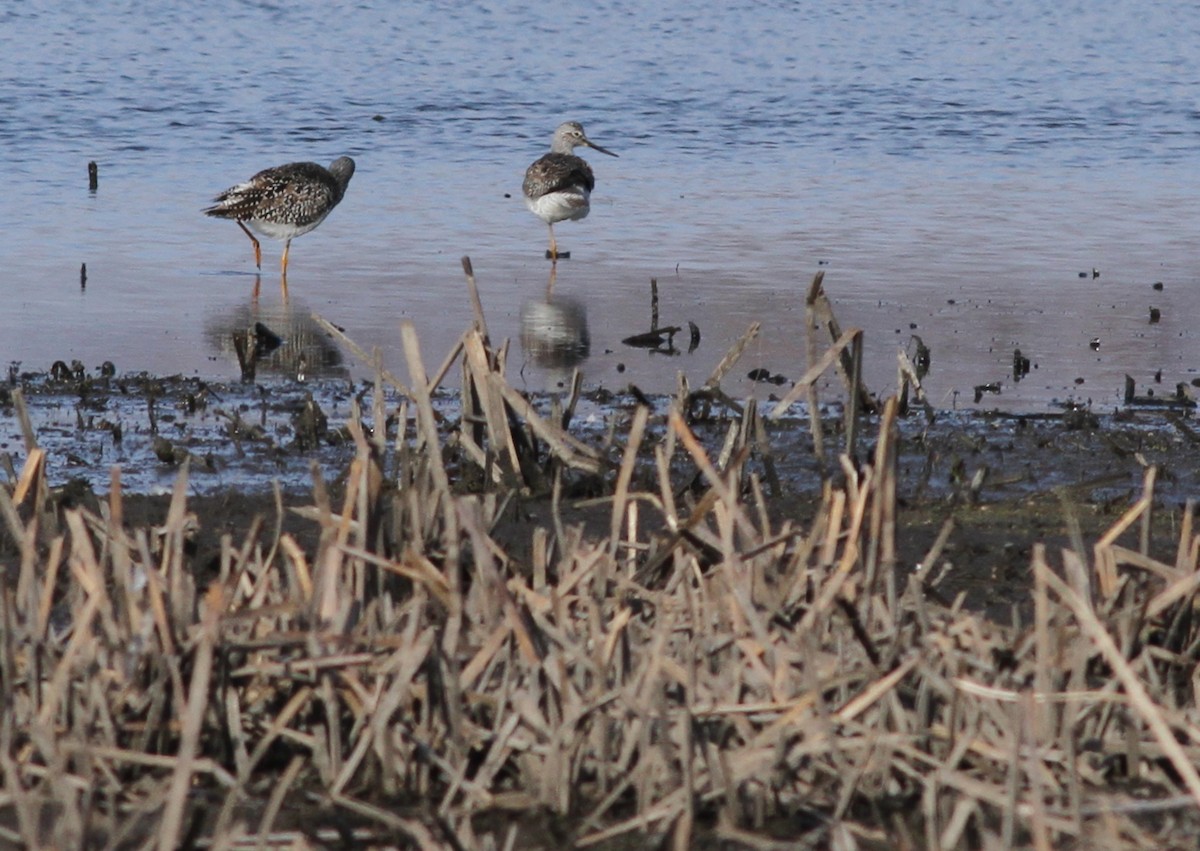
(1006, 481)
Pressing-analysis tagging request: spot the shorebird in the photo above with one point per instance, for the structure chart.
(284, 202)
(559, 185)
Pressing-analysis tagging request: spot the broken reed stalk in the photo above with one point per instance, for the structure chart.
(476, 301)
(731, 356)
(852, 396)
(907, 379)
(823, 317)
(809, 379)
(478, 366)
(811, 348)
(693, 661)
(192, 720)
(340, 335)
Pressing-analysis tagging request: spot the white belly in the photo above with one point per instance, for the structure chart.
(282, 230)
(561, 206)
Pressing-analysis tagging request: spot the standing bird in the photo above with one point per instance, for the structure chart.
(284, 202)
(559, 185)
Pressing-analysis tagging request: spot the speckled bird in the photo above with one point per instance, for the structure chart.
(559, 185)
(284, 202)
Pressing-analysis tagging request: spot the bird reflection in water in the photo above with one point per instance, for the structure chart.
(554, 330)
(276, 339)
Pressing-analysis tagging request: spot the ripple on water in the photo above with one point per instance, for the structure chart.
(956, 152)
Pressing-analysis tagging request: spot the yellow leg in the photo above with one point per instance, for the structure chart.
(257, 247)
(553, 244)
(287, 246)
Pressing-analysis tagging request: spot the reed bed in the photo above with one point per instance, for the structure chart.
(700, 676)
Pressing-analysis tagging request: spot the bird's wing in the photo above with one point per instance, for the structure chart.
(555, 172)
(298, 194)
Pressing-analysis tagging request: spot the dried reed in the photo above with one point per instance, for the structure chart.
(701, 675)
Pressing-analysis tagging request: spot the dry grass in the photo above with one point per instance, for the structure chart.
(697, 678)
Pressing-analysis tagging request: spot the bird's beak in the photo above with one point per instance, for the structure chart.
(596, 147)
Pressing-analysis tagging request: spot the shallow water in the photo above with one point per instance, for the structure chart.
(952, 171)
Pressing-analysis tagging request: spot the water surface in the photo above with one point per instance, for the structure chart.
(952, 168)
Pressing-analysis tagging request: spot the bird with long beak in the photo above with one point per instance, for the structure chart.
(558, 186)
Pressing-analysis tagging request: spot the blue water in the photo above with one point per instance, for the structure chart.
(951, 167)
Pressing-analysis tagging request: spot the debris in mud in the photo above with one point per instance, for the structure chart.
(311, 425)
(59, 370)
(277, 341)
(765, 376)
(1155, 315)
(660, 340)
(640, 397)
(990, 387)
(168, 452)
(1077, 417)
(922, 357)
(145, 424)
(1181, 399)
(265, 340)
(251, 345)
(1021, 365)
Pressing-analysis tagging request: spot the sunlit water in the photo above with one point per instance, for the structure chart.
(952, 171)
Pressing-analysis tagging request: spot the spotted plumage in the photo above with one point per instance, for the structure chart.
(284, 202)
(558, 186)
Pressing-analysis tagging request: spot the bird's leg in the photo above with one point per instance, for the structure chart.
(257, 247)
(287, 246)
(257, 287)
(553, 245)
